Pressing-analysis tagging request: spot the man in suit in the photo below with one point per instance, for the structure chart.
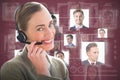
(102, 33)
(78, 17)
(92, 53)
(61, 55)
(69, 41)
(57, 28)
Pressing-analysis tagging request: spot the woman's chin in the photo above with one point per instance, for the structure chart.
(48, 48)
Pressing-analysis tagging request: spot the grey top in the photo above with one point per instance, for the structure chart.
(21, 68)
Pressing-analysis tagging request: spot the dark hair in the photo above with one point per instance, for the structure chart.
(59, 52)
(24, 13)
(70, 35)
(53, 16)
(101, 29)
(90, 45)
(78, 10)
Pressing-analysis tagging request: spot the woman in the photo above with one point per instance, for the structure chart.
(35, 22)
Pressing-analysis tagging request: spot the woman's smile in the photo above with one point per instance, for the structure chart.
(48, 41)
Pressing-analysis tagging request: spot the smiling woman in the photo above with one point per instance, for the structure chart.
(40, 31)
(34, 22)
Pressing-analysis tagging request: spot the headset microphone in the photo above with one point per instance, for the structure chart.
(23, 38)
(37, 43)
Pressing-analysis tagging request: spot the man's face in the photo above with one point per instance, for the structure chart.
(60, 55)
(102, 34)
(69, 40)
(78, 17)
(93, 54)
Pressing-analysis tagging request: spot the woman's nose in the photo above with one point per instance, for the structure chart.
(49, 33)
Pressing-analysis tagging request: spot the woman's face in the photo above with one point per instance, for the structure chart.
(41, 29)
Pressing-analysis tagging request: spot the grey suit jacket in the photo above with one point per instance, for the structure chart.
(87, 63)
(21, 68)
(73, 28)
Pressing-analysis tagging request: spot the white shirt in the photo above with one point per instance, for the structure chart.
(78, 27)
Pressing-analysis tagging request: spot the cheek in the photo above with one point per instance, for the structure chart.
(97, 55)
(93, 55)
(53, 31)
(35, 37)
(30, 37)
(68, 40)
(81, 19)
(76, 18)
(38, 37)
(31, 34)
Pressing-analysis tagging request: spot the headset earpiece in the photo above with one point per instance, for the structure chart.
(22, 36)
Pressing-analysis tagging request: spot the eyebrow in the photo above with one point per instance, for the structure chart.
(40, 25)
(44, 24)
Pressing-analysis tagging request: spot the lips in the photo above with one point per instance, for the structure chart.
(48, 41)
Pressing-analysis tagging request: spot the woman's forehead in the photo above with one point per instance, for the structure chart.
(41, 16)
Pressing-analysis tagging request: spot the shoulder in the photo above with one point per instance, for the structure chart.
(66, 45)
(73, 45)
(85, 62)
(13, 63)
(84, 26)
(10, 63)
(99, 63)
(58, 64)
(10, 68)
(57, 61)
(72, 28)
(15, 66)
(58, 67)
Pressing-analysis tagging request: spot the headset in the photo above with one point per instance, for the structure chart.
(22, 37)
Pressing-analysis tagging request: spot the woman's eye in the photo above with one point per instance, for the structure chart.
(40, 29)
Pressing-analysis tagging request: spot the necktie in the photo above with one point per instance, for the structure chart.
(92, 63)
